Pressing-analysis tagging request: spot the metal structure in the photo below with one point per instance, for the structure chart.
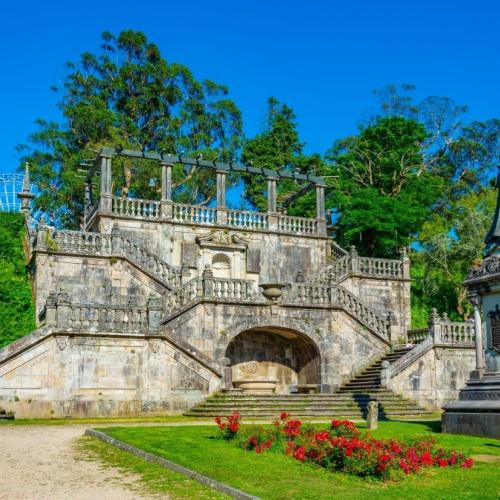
(10, 185)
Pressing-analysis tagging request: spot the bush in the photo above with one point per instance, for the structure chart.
(343, 448)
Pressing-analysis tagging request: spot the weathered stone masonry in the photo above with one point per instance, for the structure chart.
(142, 310)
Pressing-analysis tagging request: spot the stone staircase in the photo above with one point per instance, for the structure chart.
(369, 379)
(351, 401)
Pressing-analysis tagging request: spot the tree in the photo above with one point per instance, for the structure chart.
(128, 95)
(17, 315)
(449, 243)
(384, 192)
(277, 147)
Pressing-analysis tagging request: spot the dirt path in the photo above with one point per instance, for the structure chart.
(40, 462)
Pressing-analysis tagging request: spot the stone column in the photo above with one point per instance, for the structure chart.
(272, 213)
(435, 327)
(106, 184)
(475, 300)
(154, 312)
(166, 191)
(221, 197)
(320, 209)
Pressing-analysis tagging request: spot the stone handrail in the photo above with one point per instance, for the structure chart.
(136, 208)
(455, 333)
(441, 332)
(209, 288)
(390, 268)
(194, 214)
(108, 245)
(296, 225)
(417, 335)
(337, 251)
(209, 216)
(247, 220)
(92, 210)
(61, 313)
(337, 296)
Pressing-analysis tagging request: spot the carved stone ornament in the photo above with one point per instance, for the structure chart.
(154, 345)
(62, 342)
(221, 238)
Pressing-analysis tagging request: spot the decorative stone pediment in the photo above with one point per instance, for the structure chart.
(222, 239)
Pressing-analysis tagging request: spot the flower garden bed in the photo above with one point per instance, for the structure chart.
(342, 447)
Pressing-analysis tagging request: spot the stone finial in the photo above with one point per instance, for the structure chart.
(207, 272)
(434, 317)
(372, 418)
(385, 364)
(300, 278)
(445, 318)
(353, 252)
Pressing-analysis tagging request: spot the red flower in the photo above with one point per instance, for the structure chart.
(426, 458)
(292, 428)
(322, 436)
(300, 454)
(468, 463)
(284, 415)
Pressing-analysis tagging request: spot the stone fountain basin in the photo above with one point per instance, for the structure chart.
(256, 386)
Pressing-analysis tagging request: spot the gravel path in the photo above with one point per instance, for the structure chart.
(40, 462)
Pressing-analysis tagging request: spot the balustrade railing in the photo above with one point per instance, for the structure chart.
(109, 245)
(457, 333)
(194, 214)
(337, 296)
(417, 335)
(296, 225)
(247, 220)
(60, 313)
(136, 208)
(389, 268)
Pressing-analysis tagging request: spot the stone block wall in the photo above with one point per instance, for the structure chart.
(436, 377)
(102, 376)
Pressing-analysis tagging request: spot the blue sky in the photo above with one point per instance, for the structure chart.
(322, 58)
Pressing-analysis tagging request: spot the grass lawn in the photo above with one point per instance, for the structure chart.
(276, 476)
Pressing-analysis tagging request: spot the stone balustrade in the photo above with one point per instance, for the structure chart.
(247, 220)
(207, 216)
(107, 245)
(62, 314)
(210, 288)
(136, 208)
(308, 294)
(194, 214)
(417, 335)
(296, 225)
(352, 264)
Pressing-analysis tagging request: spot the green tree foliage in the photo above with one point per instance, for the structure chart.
(129, 96)
(278, 147)
(449, 244)
(17, 316)
(384, 192)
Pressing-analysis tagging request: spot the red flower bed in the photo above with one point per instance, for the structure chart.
(230, 427)
(342, 447)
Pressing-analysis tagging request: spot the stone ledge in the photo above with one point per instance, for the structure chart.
(167, 464)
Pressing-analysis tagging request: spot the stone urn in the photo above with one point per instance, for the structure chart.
(272, 291)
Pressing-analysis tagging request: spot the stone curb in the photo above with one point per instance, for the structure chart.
(167, 464)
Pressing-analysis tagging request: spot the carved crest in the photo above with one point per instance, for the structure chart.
(154, 345)
(220, 237)
(62, 342)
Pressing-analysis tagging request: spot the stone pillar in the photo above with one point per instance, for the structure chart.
(63, 314)
(221, 197)
(271, 194)
(372, 418)
(435, 326)
(354, 257)
(25, 195)
(106, 184)
(50, 310)
(320, 209)
(208, 282)
(166, 209)
(478, 330)
(154, 313)
(166, 182)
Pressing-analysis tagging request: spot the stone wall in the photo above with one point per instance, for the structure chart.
(103, 375)
(435, 378)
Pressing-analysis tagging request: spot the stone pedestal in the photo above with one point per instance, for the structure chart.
(477, 412)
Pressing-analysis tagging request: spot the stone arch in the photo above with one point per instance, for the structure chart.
(268, 358)
(221, 265)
